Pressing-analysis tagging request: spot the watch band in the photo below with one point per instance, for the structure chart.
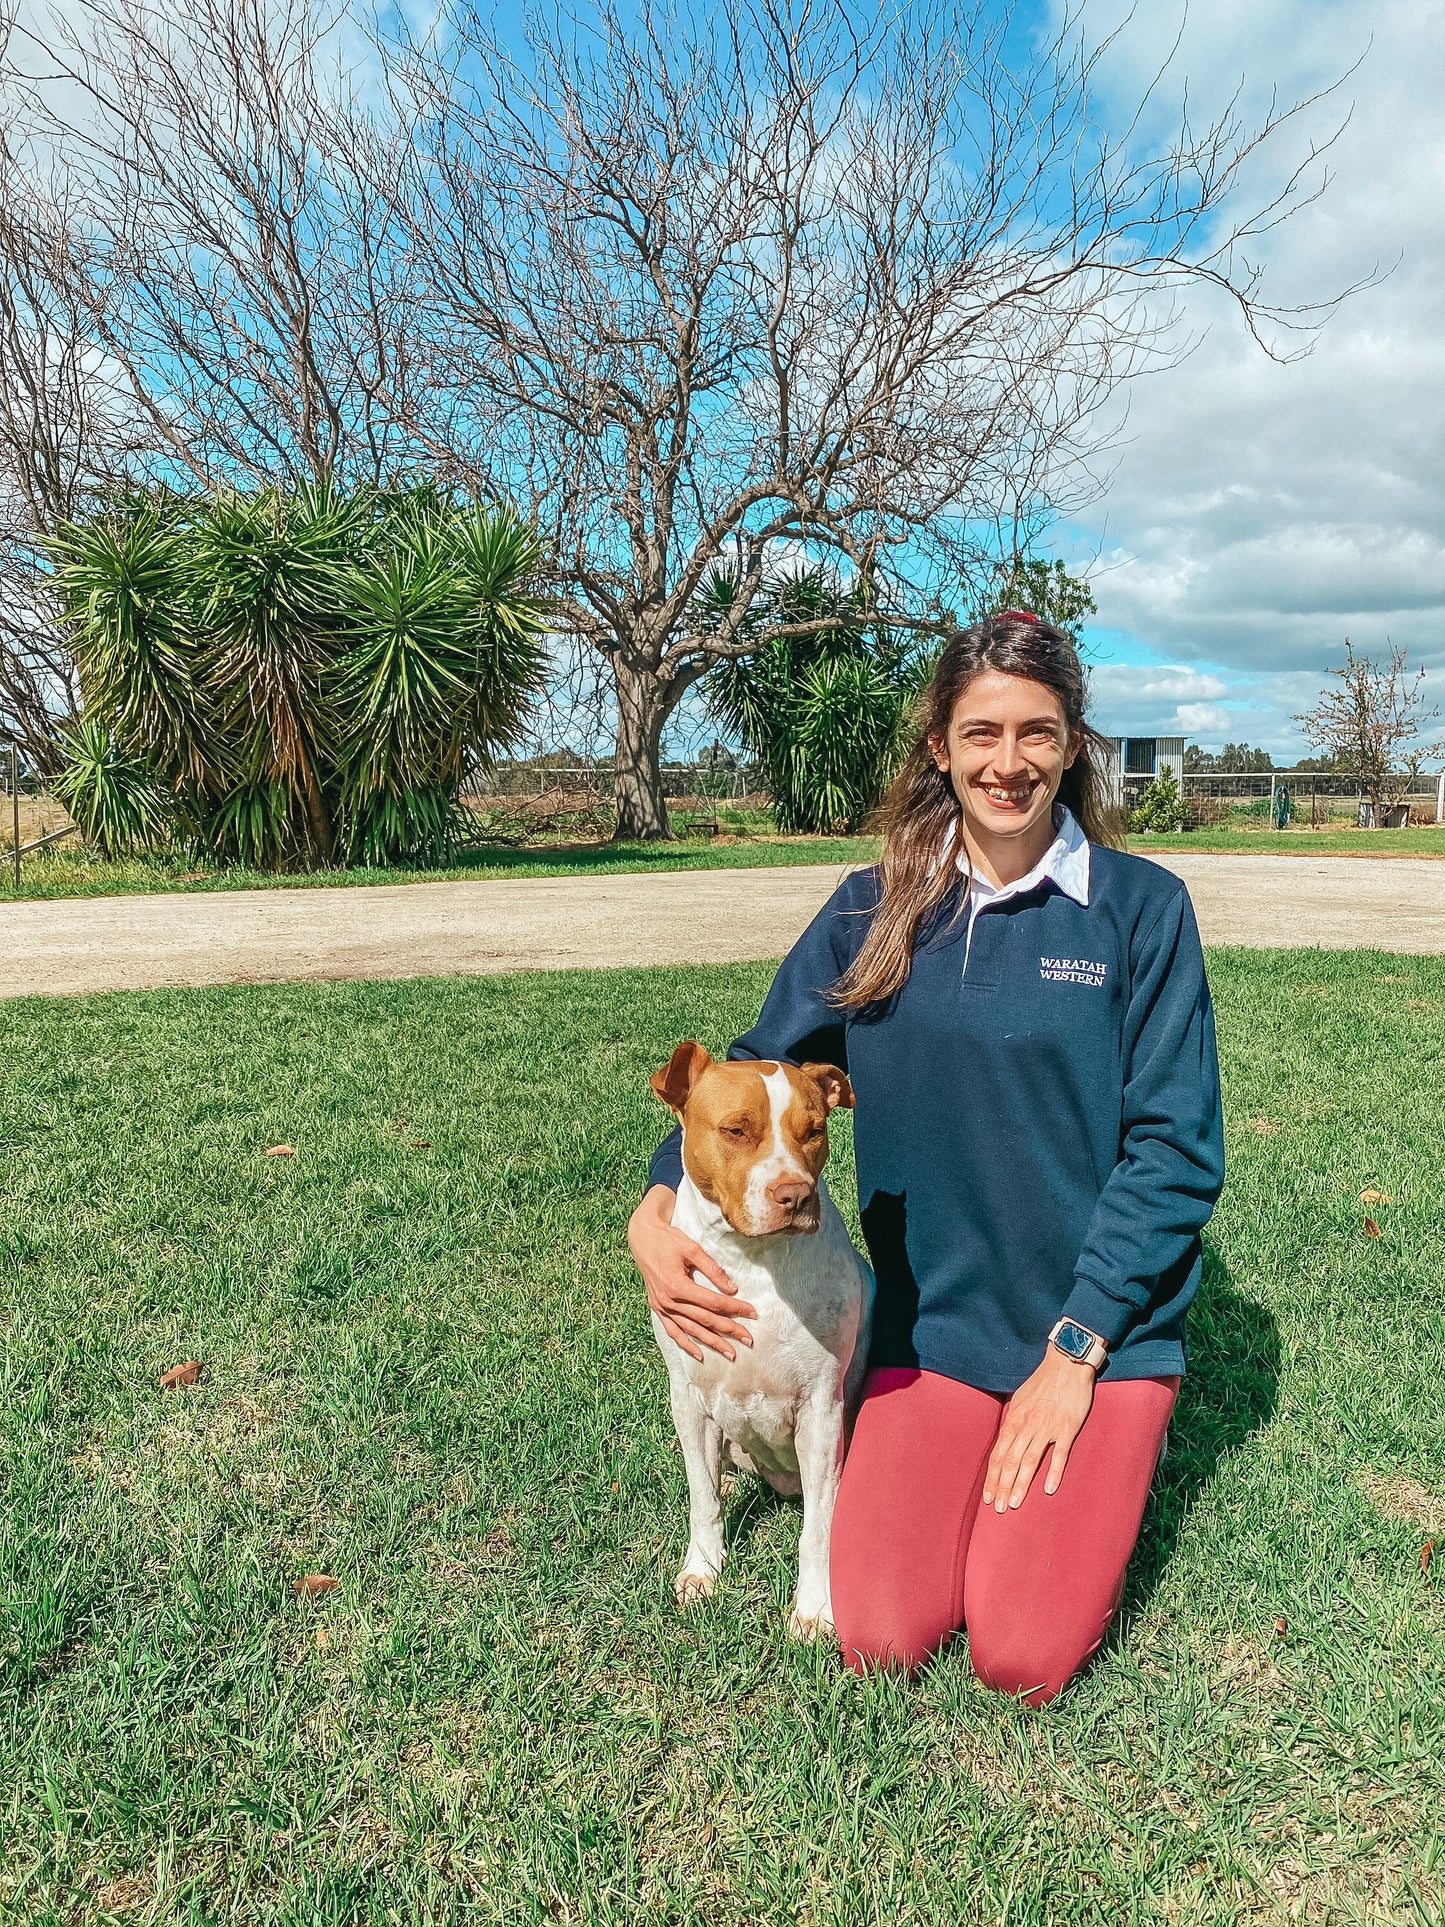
(1097, 1352)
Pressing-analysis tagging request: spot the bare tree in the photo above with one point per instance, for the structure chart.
(711, 288)
(233, 270)
(1373, 726)
(60, 436)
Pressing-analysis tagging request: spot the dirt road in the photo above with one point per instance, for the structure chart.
(547, 923)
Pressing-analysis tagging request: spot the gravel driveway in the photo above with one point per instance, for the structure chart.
(669, 917)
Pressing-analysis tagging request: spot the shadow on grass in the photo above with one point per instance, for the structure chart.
(1230, 1392)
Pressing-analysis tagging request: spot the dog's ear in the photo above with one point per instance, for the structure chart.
(837, 1091)
(674, 1082)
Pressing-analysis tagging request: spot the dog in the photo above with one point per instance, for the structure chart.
(754, 1143)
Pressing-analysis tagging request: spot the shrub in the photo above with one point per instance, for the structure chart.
(1161, 807)
(821, 713)
(112, 796)
(308, 677)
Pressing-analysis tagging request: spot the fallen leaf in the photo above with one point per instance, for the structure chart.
(314, 1583)
(421, 1144)
(1281, 1626)
(186, 1374)
(707, 1834)
(1372, 1230)
(614, 1485)
(280, 1151)
(1427, 1553)
(323, 1639)
(1371, 1196)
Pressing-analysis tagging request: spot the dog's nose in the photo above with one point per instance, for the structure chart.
(789, 1194)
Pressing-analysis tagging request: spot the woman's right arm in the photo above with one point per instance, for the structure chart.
(798, 1024)
(690, 1292)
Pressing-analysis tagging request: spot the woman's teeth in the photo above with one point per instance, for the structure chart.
(1019, 793)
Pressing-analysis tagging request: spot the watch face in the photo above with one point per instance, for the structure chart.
(1074, 1340)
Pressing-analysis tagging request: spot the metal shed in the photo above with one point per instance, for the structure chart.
(1134, 761)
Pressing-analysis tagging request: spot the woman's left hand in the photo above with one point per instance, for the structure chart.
(1048, 1409)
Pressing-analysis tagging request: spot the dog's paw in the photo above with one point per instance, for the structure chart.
(810, 1626)
(689, 1587)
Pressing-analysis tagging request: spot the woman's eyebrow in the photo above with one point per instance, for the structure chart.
(988, 722)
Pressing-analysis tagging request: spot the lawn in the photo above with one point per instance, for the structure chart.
(68, 870)
(429, 1375)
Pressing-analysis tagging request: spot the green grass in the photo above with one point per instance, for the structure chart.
(70, 871)
(67, 871)
(1263, 841)
(429, 1374)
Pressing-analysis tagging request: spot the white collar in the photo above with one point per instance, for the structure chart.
(1065, 863)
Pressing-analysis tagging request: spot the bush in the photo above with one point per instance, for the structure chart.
(112, 795)
(821, 713)
(1161, 807)
(300, 678)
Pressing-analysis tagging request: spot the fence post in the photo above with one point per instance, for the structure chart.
(15, 805)
(1440, 799)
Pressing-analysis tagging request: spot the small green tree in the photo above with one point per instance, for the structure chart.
(820, 710)
(1161, 807)
(1045, 588)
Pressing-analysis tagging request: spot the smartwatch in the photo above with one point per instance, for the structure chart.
(1080, 1344)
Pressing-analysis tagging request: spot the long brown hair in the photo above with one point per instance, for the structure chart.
(921, 814)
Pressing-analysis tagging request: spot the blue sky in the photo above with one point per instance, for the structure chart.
(1257, 514)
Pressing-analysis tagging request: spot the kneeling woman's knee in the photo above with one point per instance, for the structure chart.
(898, 1642)
(1027, 1664)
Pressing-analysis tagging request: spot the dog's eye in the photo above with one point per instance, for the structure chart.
(735, 1131)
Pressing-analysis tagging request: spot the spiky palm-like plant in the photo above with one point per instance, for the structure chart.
(305, 676)
(111, 795)
(821, 711)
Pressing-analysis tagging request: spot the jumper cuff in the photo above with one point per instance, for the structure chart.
(1099, 1311)
(666, 1165)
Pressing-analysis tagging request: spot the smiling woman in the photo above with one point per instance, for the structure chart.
(1023, 1014)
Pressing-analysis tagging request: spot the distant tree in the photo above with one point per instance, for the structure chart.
(1372, 726)
(1235, 759)
(1319, 765)
(1047, 589)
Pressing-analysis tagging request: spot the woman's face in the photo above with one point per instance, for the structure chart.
(1005, 751)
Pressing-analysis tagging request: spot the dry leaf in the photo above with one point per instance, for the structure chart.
(1281, 1626)
(323, 1639)
(186, 1374)
(1427, 1553)
(421, 1144)
(1372, 1230)
(280, 1151)
(314, 1583)
(1371, 1196)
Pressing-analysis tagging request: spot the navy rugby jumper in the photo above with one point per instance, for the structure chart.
(1038, 1123)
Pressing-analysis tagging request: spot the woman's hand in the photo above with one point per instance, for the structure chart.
(690, 1292)
(1048, 1409)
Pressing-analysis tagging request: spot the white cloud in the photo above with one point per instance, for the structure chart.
(1260, 513)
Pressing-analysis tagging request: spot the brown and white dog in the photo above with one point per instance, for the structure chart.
(754, 1143)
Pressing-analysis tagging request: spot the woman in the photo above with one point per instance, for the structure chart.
(1023, 1013)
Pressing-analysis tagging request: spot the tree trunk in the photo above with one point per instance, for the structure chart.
(644, 703)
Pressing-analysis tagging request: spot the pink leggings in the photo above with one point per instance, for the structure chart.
(915, 1556)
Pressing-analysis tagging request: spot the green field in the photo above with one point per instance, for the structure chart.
(429, 1375)
(70, 871)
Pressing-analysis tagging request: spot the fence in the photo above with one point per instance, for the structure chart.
(30, 818)
(704, 780)
(1212, 795)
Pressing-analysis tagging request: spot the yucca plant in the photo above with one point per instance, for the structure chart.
(112, 796)
(444, 652)
(305, 676)
(822, 712)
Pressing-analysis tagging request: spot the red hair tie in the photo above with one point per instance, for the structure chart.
(1015, 615)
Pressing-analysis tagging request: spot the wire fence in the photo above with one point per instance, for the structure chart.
(30, 817)
(1288, 797)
